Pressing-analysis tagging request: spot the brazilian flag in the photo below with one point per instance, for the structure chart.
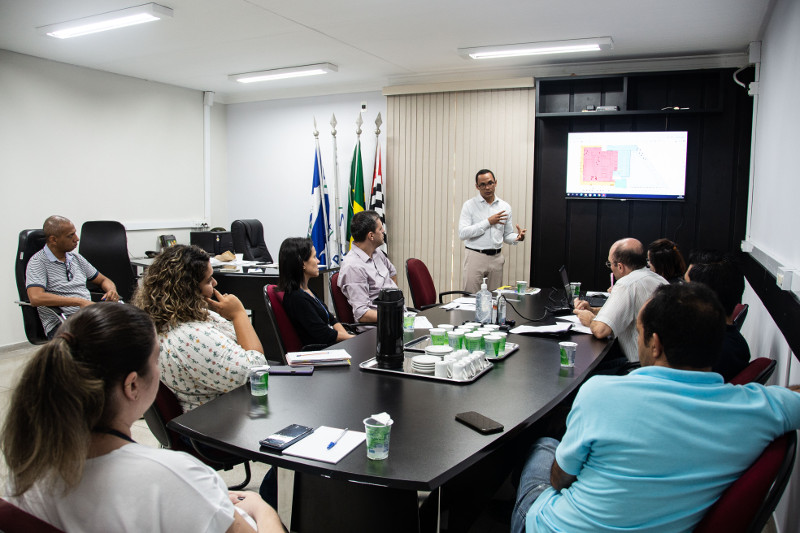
(357, 200)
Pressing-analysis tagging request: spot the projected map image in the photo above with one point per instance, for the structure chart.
(612, 166)
(626, 164)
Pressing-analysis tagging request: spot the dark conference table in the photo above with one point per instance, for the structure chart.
(428, 446)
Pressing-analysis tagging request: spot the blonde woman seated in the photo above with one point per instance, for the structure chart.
(67, 439)
(206, 338)
(298, 263)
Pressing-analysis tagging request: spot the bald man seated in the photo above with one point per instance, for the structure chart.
(57, 275)
(634, 286)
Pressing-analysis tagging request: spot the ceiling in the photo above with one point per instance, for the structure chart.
(374, 43)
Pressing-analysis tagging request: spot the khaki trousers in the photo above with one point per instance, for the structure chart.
(478, 265)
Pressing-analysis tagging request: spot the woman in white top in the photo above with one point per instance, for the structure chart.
(67, 439)
(206, 338)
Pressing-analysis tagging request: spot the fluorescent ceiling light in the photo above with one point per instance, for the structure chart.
(595, 44)
(107, 21)
(283, 73)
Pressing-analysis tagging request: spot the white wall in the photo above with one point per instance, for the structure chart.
(96, 146)
(271, 157)
(776, 190)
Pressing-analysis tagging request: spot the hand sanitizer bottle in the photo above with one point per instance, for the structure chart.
(483, 305)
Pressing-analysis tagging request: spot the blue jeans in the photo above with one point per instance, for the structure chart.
(535, 478)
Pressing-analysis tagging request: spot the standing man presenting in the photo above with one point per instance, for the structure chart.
(56, 275)
(484, 226)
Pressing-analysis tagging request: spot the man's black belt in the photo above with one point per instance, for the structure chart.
(490, 251)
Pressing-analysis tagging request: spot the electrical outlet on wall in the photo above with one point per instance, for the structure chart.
(784, 278)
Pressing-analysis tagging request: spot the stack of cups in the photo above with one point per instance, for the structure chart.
(408, 321)
(455, 339)
(473, 341)
(492, 343)
(438, 336)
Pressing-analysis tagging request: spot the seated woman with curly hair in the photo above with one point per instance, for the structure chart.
(207, 343)
(298, 263)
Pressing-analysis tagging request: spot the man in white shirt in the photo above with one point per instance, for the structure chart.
(484, 226)
(635, 284)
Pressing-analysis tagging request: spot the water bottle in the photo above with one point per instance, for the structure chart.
(501, 309)
(483, 305)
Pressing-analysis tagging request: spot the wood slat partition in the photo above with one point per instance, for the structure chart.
(436, 142)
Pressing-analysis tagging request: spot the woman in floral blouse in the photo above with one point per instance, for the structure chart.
(207, 343)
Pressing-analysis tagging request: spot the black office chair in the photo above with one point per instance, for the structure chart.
(30, 242)
(248, 239)
(104, 244)
(165, 408)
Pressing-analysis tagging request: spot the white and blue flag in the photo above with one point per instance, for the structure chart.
(319, 227)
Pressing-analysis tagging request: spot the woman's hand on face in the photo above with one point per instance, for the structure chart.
(227, 305)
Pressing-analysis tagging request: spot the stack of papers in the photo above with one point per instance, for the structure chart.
(315, 446)
(465, 303)
(318, 358)
(576, 323)
(558, 328)
(422, 322)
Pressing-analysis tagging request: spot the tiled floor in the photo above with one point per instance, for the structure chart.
(494, 520)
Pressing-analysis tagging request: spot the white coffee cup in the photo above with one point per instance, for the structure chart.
(459, 371)
(442, 369)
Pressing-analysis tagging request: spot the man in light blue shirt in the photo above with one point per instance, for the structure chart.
(653, 450)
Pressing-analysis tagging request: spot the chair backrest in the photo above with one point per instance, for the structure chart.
(30, 242)
(248, 239)
(739, 314)
(15, 520)
(104, 243)
(420, 282)
(757, 371)
(747, 504)
(340, 303)
(288, 339)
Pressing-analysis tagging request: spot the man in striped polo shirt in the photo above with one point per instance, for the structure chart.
(56, 275)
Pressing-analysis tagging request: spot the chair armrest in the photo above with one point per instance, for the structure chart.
(352, 327)
(463, 293)
(313, 347)
(55, 310)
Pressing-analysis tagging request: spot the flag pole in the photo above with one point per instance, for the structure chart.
(323, 189)
(378, 122)
(359, 122)
(336, 199)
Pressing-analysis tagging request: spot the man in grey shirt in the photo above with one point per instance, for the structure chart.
(366, 269)
(56, 275)
(635, 284)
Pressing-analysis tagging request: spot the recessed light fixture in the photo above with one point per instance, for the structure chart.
(107, 21)
(283, 73)
(595, 44)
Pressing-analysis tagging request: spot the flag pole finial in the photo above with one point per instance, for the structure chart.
(333, 125)
(316, 132)
(378, 122)
(359, 122)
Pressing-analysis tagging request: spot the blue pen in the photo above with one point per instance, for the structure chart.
(333, 443)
